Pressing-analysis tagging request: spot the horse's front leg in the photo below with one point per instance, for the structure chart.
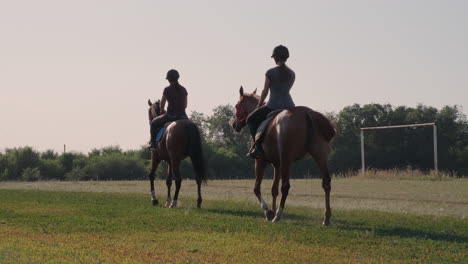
(154, 167)
(260, 166)
(169, 185)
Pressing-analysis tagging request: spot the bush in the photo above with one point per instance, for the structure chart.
(4, 176)
(51, 169)
(116, 166)
(78, 174)
(31, 174)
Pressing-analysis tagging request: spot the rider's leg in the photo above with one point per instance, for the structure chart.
(254, 121)
(157, 124)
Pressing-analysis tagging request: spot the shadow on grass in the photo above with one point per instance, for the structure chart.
(407, 233)
(259, 214)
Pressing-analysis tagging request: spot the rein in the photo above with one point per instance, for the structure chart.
(242, 120)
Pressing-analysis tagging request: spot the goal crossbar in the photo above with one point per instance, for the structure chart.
(363, 158)
(399, 126)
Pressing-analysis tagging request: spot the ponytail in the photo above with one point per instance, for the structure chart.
(284, 74)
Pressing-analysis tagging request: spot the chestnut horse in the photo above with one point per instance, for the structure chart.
(291, 135)
(180, 140)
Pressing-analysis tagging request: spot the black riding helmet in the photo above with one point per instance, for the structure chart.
(172, 75)
(280, 52)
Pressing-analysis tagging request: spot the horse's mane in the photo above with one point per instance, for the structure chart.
(251, 96)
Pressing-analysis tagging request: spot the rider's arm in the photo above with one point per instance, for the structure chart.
(163, 104)
(266, 88)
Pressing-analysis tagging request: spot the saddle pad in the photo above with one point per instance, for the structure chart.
(263, 126)
(162, 130)
(160, 133)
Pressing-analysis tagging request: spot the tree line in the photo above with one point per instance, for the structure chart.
(225, 150)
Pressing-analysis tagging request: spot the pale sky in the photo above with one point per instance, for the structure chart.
(80, 72)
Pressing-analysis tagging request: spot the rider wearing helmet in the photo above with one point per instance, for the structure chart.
(278, 81)
(176, 95)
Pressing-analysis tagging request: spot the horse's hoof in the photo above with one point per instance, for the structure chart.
(173, 204)
(269, 215)
(155, 202)
(326, 222)
(167, 204)
(278, 216)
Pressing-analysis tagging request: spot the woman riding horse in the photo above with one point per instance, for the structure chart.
(279, 81)
(180, 140)
(289, 136)
(176, 95)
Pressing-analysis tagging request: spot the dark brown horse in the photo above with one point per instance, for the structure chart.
(291, 135)
(180, 140)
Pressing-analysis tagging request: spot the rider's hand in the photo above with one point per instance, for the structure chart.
(163, 112)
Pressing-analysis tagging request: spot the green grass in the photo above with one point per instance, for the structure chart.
(421, 197)
(78, 227)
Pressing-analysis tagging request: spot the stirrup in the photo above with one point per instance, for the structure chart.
(151, 146)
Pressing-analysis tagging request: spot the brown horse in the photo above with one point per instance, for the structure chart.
(291, 135)
(180, 140)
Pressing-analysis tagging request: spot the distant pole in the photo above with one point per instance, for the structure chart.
(64, 148)
(436, 162)
(363, 162)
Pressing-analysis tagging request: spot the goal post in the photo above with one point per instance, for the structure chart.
(434, 127)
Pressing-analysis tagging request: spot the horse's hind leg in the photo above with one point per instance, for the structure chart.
(274, 189)
(284, 171)
(321, 156)
(169, 185)
(260, 166)
(154, 166)
(199, 201)
(326, 185)
(178, 181)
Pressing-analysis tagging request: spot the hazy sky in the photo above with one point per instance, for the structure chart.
(80, 72)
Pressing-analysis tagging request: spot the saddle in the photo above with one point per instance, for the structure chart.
(163, 129)
(263, 126)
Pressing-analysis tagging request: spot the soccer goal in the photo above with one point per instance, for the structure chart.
(363, 156)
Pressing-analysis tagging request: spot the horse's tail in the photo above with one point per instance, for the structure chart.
(326, 128)
(196, 153)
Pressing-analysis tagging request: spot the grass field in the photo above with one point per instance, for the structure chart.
(429, 197)
(113, 222)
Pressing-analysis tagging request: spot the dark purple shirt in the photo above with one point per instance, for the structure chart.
(176, 95)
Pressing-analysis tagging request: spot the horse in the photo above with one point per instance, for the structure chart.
(180, 140)
(291, 135)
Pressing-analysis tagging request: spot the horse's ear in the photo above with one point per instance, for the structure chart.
(241, 91)
(149, 102)
(255, 91)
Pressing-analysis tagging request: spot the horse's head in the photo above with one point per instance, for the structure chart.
(246, 105)
(154, 109)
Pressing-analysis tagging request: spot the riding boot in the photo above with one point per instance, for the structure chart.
(255, 151)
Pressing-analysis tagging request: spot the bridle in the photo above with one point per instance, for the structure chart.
(240, 111)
